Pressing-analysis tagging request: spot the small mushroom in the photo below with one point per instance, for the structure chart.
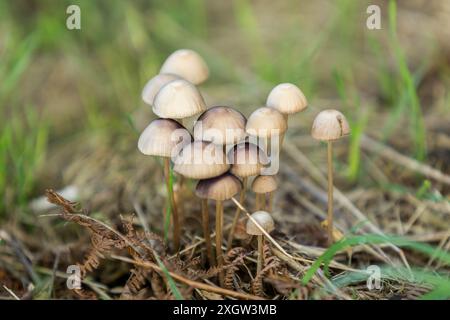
(264, 186)
(187, 64)
(287, 98)
(330, 125)
(221, 126)
(267, 124)
(178, 99)
(155, 84)
(265, 221)
(247, 160)
(219, 188)
(201, 160)
(164, 138)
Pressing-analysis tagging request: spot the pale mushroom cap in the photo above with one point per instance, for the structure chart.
(164, 138)
(187, 64)
(330, 125)
(155, 84)
(201, 160)
(264, 184)
(264, 121)
(247, 159)
(218, 188)
(264, 219)
(287, 98)
(178, 99)
(220, 125)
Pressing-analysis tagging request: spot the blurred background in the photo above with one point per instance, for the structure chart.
(71, 110)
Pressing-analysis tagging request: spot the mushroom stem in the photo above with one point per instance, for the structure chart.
(330, 192)
(257, 202)
(270, 202)
(260, 253)
(206, 232)
(237, 214)
(263, 199)
(219, 236)
(172, 204)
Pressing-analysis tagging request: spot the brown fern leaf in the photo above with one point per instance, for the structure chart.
(157, 286)
(137, 279)
(231, 271)
(85, 294)
(257, 283)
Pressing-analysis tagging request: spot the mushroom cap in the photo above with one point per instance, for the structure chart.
(201, 160)
(264, 184)
(220, 125)
(178, 99)
(264, 219)
(164, 138)
(287, 98)
(218, 188)
(263, 120)
(155, 84)
(187, 64)
(247, 159)
(330, 125)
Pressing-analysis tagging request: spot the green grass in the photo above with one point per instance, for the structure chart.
(439, 282)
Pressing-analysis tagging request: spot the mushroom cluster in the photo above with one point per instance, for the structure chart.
(225, 149)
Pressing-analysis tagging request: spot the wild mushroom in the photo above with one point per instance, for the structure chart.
(187, 64)
(267, 124)
(265, 221)
(201, 160)
(264, 186)
(219, 188)
(164, 138)
(330, 125)
(178, 99)
(155, 84)
(221, 126)
(287, 98)
(247, 160)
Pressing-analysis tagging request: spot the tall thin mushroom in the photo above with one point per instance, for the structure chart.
(165, 138)
(287, 98)
(220, 125)
(219, 188)
(330, 125)
(155, 84)
(267, 124)
(264, 186)
(187, 64)
(265, 220)
(247, 160)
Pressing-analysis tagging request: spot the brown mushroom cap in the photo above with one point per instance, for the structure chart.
(220, 125)
(263, 121)
(264, 184)
(178, 99)
(155, 84)
(164, 138)
(287, 98)
(201, 160)
(330, 125)
(247, 159)
(264, 219)
(218, 188)
(187, 64)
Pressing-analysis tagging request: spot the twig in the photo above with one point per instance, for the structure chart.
(192, 283)
(11, 293)
(261, 228)
(389, 153)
